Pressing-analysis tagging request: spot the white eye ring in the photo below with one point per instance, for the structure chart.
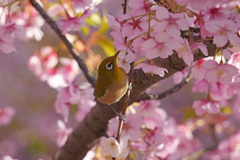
(109, 66)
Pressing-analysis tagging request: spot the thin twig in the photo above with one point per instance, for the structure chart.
(126, 102)
(69, 46)
(176, 88)
(125, 7)
(127, 95)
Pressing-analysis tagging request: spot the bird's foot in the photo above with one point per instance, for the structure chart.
(130, 87)
(121, 117)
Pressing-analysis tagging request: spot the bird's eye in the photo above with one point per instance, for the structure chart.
(109, 66)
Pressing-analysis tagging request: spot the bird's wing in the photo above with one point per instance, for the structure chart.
(100, 92)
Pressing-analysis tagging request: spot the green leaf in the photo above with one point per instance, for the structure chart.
(94, 20)
(107, 46)
(103, 26)
(226, 110)
(188, 112)
(85, 30)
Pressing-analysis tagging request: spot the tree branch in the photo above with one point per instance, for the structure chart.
(71, 49)
(146, 96)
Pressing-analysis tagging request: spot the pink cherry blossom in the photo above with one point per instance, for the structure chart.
(8, 158)
(42, 62)
(69, 69)
(198, 71)
(10, 31)
(139, 145)
(201, 86)
(179, 76)
(147, 108)
(131, 126)
(236, 108)
(70, 94)
(223, 30)
(35, 65)
(152, 150)
(234, 87)
(156, 120)
(55, 9)
(140, 4)
(111, 147)
(137, 44)
(195, 5)
(61, 76)
(124, 151)
(31, 21)
(134, 26)
(120, 44)
(184, 51)
(62, 109)
(161, 46)
(174, 135)
(200, 19)
(122, 62)
(170, 22)
(48, 56)
(216, 13)
(90, 155)
(204, 32)
(86, 103)
(6, 115)
(114, 23)
(154, 135)
(62, 133)
(216, 72)
(226, 149)
(148, 68)
(237, 20)
(185, 147)
(6, 47)
(45, 68)
(80, 5)
(201, 47)
(219, 91)
(54, 78)
(71, 24)
(202, 106)
(170, 146)
(235, 60)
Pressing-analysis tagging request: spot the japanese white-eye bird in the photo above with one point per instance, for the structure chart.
(112, 82)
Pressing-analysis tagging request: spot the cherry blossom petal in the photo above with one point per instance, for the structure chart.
(162, 13)
(220, 39)
(110, 146)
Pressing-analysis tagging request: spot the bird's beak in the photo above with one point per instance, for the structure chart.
(116, 55)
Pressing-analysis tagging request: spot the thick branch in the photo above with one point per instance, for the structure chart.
(69, 46)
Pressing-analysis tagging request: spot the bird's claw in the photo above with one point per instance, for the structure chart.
(122, 117)
(130, 87)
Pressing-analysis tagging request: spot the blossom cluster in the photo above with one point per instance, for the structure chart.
(150, 30)
(154, 133)
(20, 20)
